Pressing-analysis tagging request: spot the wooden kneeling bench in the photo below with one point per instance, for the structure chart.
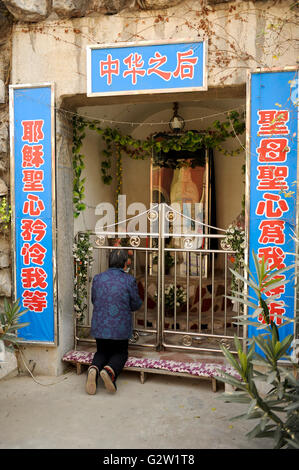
(194, 370)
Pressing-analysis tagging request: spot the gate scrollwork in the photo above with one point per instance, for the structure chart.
(188, 242)
(170, 216)
(100, 241)
(135, 240)
(135, 337)
(187, 340)
(152, 216)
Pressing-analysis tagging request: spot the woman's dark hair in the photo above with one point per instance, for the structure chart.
(118, 259)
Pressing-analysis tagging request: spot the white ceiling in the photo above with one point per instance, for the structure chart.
(156, 112)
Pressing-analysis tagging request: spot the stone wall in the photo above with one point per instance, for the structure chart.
(8, 363)
(6, 21)
(39, 10)
(240, 36)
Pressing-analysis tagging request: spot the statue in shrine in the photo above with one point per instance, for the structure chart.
(185, 192)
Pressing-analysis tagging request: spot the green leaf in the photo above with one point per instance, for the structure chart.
(294, 443)
(231, 359)
(226, 378)
(279, 271)
(236, 397)
(242, 301)
(246, 281)
(273, 284)
(18, 326)
(263, 422)
(243, 360)
(271, 377)
(293, 406)
(253, 433)
(237, 343)
(264, 347)
(254, 414)
(258, 268)
(252, 406)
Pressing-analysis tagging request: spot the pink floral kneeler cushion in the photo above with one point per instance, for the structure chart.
(191, 368)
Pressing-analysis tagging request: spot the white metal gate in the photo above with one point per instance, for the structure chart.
(184, 283)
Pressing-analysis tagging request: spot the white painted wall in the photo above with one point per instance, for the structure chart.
(95, 190)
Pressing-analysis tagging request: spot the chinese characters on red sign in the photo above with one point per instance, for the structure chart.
(33, 230)
(272, 182)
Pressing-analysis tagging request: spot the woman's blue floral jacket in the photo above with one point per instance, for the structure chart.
(114, 296)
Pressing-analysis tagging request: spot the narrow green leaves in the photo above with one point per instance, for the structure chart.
(277, 408)
(10, 321)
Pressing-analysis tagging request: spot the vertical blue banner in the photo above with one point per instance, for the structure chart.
(146, 67)
(273, 185)
(32, 163)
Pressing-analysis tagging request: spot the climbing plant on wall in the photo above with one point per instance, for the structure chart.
(165, 149)
(83, 260)
(5, 214)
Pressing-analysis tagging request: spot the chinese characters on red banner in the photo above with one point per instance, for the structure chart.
(135, 66)
(33, 230)
(272, 182)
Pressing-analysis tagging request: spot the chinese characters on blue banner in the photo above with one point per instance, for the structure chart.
(32, 178)
(144, 68)
(273, 185)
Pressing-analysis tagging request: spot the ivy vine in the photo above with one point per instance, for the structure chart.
(79, 126)
(83, 260)
(166, 149)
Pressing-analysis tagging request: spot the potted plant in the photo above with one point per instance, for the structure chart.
(173, 296)
(235, 241)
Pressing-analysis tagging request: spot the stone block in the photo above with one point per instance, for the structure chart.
(216, 2)
(5, 23)
(3, 136)
(28, 10)
(3, 166)
(108, 7)
(4, 244)
(156, 4)
(2, 92)
(70, 8)
(4, 259)
(3, 188)
(5, 283)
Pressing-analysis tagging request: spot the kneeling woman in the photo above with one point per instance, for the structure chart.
(114, 296)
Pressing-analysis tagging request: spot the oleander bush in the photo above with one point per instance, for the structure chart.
(10, 322)
(276, 411)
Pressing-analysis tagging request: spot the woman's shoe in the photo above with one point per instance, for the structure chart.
(91, 382)
(108, 378)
